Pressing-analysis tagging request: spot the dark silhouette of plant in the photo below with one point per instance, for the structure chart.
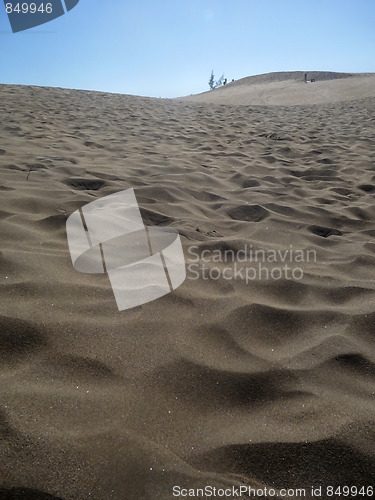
(211, 81)
(220, 81)
(214, 85)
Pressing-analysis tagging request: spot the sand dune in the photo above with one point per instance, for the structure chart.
(289, 89)
(222, 382)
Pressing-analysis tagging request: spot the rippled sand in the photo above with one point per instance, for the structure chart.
(221, 382)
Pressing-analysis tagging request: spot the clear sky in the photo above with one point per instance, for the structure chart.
(167, 48)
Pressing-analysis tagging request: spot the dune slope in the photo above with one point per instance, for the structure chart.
(289, 89)
(222, 382)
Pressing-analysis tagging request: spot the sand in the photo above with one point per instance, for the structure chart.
(289, 88)
(268, 383)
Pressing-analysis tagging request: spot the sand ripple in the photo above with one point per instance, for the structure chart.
(223, 381)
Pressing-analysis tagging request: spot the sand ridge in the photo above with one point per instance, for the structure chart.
(222, 382)
(289, 88)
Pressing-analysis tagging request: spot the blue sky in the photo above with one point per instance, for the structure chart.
(167, 48)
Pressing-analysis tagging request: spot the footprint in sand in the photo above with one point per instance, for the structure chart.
(250, 213)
